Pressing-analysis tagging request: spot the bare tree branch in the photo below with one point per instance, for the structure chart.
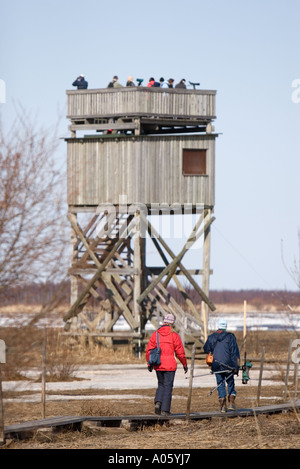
(33, 228)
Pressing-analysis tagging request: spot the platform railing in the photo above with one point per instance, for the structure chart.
(141, 101)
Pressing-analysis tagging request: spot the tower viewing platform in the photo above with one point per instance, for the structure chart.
(141, 110)
(148, 144)
(134, 152)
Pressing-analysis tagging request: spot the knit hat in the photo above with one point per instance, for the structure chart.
(169, 319)
(222, 324)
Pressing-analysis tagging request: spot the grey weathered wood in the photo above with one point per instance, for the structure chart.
(2, 360)
(115, 334)
(74, 308)
(171, 267)
(189, 399)
(2, 434)
(140, 101)
(75, 422)
(121, 303)
(135, 160)
(43, 394)
(177, 282)
(184, 270)
(146, 169)
(104, 127)
(286, 383)
(2, 351)
(206, 273)
(260, 376)
(296, 370)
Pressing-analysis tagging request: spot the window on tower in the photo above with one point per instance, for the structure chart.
(193, 162)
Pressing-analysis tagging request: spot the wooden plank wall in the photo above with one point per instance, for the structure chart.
(147, 170)
(141, 101)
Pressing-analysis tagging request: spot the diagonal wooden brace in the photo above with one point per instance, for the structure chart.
(176, 262)
(123, 234)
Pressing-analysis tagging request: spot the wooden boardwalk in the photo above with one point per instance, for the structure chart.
(134, 422)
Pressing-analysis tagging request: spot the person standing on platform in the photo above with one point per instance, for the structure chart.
(114, 83)
(181, 84)
(130, 81)
(163, 83)
(80, 82)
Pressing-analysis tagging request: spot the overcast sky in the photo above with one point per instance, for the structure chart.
(246, 50)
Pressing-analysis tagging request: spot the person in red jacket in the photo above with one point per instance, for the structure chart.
(171, 346)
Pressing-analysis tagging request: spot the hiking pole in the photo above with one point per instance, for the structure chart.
(213, 390)
(230, 367)
(211, 373)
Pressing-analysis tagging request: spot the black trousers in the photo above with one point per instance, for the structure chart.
(165, 388)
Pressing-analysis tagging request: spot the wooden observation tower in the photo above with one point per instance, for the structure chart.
(135, 152)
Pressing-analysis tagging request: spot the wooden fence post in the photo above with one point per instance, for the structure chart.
(245, 324)
(188, 406)
(2, 360)
(43, 397)
(296, 369)
(260, 375)
(287, 371)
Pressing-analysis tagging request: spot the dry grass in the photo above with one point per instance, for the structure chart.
(263, 432)
(25, 347)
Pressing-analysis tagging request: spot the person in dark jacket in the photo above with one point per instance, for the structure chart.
(130, 81)
(171, 82)
(171, 346)
(80, 82)
(114, 83)
(226, 356)
(181, 84)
